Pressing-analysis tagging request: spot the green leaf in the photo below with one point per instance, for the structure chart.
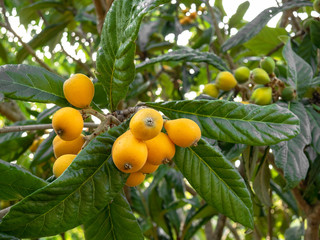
(308, 51)
(266, 40)
(115, 221)
(115, 61)
(261, 184)
(30, 83)
(187, 55)
(7, 237)
(216, 181)
(17, 183)
(43, 153)
(86, 187)
(314, 118)
(299, 71)
(13, 144)
(294, 233)
(315, 32)
(50, 33)
(254, 27)
(238, 16)
(235, 122)
(289, 156)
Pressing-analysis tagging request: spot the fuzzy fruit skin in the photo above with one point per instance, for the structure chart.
(128, 153)
(79, 90)
(242, 74)
(61, 147)
(183, 132)
(146, 124)
(148, 168)
(316, 5)
(135, 179)
(160, 149)
(245, 102)
(260, 76)
(225, 81)
(67, 123)
(62, 163)
(288, 93)
(268, 64)
(262, 96)
(211, 90)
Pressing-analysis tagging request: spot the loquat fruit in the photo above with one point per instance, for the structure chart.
(79, 90)
(148, 168)
(62, 163)
(61, 147)
(262, 96)
(242, 74)
(135, 179)
(288, 93)
(128, 153)
(259, 76)
(67, 122)
(146, 124)
(183, 132)
(225, 81)
(211, 90)
(268, 64)
(160, 149)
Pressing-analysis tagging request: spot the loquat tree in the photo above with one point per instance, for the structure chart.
(111, 128)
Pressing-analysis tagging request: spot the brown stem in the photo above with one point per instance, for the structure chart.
(217, 235)
(7, 26)
(11, 111)
(208, 230)
(270, 226)
(38, 127)
(233, 231)
(101, 13)
(313, 224)
(219, 35)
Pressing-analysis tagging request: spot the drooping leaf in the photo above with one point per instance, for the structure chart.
(238, 16)
(115, 61)
(299, 71)
(308, 51)
(216, 181)
(289, 155)
(47, 34)
(13, 144)
(235, 122)
(254, 27)
(16, 183)
(187, 55)
(86, 187)
(116, 221)
(261, 184)
(30, 83)
(314, 118)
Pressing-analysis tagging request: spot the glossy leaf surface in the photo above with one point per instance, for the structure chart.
(16, 183)
(116, 221)
(235, 122)
(86, 187)
(216, 180)
(115, 61)
(30, 83)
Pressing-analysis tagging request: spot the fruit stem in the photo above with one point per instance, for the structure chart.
(93, 112)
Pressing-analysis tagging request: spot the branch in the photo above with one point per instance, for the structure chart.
(219, 36)
(7, 26)
(38, 127)
(101, 13)
(11, 111)
(217, 235)
(233, 231)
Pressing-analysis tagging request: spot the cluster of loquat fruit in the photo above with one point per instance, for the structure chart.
(68, 123)
(187, 17)
(260, 77)
(144, 147)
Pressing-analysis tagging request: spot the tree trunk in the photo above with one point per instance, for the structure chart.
(313, 224)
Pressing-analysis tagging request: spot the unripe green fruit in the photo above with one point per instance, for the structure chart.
(316, 5)
(262, 96)
(225, 81)
(242, 74)
(260, 76)
(211, 90)
(288, 93)
(268, 64)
